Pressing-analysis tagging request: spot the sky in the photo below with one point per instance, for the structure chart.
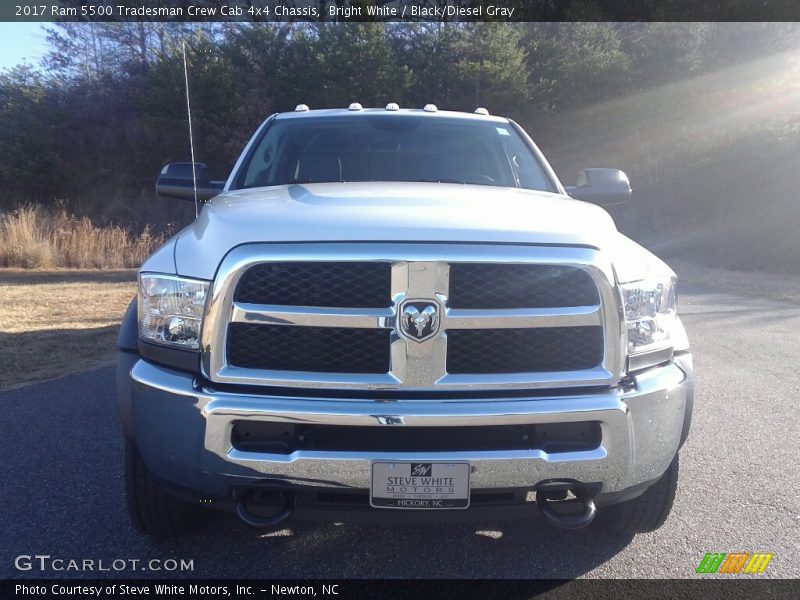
(21, 42)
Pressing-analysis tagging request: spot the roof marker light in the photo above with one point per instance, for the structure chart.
(355, 106)
(430, 108)
(392, 106)
(301, 108)
(481, 111)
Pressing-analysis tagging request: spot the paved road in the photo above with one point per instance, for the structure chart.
(61, 491)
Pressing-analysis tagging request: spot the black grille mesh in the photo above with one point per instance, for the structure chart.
(344, 284)
(523, 350)
(316, 349)
(478, 285)
(285, 438)
(368, 285)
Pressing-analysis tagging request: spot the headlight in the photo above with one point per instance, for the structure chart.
(650, 316)
(171, 310)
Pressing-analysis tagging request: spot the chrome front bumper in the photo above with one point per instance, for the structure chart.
(183, 432)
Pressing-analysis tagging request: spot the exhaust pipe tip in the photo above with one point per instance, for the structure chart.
(270, 522)
(545, 502)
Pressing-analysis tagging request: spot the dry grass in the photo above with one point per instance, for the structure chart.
(32, 237)
(58, 322)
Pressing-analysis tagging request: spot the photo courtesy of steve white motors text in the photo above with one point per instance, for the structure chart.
(171, 589)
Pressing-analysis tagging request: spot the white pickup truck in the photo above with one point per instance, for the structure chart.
(401, 315)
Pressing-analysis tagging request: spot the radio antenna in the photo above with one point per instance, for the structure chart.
(191, 140)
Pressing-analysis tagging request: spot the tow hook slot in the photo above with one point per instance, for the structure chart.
(283, 515)
(547, 499)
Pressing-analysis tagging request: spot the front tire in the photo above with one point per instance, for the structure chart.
(152, 510)
(646, 512)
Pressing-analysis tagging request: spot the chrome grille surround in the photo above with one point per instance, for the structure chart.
(417, 271)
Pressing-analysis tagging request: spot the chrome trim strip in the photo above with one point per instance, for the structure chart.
(417, 271)
(415, 413)
(598, 453)
(370, 381)
(527, 380)
(305, 316)
(523, 318)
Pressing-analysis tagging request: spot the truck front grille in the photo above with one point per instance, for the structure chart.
(319, 349)
(343, 316)
(354, 284)
(523, 350)
(481, 285)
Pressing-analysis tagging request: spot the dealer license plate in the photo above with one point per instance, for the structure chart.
(420, 485)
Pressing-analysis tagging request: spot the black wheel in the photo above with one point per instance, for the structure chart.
(646, 512)
(152, 510)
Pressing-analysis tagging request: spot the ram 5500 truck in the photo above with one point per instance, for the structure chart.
(401, 315)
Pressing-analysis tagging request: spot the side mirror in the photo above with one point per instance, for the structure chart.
(176, 181)
(605, 187)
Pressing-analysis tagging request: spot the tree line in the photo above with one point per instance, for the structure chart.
(94, 122)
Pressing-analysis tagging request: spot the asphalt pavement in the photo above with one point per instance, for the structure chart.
(62, 490)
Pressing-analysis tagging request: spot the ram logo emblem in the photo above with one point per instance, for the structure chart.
(419, 320)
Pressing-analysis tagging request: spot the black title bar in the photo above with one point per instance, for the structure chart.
(710, 588)
(399, 10)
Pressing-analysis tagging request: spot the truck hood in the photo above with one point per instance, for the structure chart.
(394, 212)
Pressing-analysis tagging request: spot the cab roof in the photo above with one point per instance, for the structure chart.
(341, 112)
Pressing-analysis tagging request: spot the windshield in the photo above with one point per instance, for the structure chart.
(392, 148)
